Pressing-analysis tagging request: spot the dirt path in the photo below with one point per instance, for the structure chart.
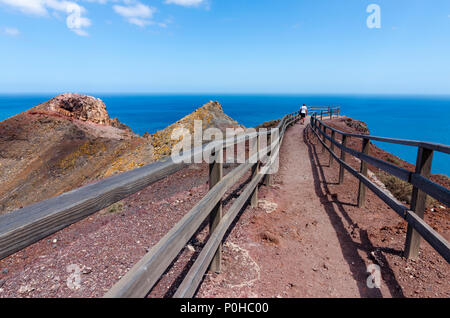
(303, 248)
(306, 238)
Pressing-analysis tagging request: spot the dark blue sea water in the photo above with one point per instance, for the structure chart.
(408, 117)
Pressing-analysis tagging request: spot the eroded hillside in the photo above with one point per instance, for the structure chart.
(70, 141)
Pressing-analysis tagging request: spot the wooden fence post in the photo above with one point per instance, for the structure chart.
(341, 167)
(363, 170)
(255, 171)
(330, 111)
(268, 178)
(321, 115)
(322, 127)
(418, 202)
(331, 147)
(215, 175)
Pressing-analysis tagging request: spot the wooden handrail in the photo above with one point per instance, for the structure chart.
(23, 227)
(433, 189)
(142, 277)
(414, 218)
(429, 145)
(198, 269)
(28, 225)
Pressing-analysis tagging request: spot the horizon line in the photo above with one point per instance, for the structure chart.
(227, 93)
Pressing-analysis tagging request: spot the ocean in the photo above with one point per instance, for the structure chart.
(425, 118)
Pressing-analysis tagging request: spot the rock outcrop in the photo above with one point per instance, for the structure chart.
(59, 145)
(359, 126)
(70, 140)
(77, 106)
(211, 115)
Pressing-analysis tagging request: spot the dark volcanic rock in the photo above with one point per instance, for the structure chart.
(81, 107)
(357, 125)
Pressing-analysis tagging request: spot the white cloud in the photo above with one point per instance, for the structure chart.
(165, 23)
(186, 3)
(11, 31)
(97, 1)
(139, 22)
(75, 20)
(138, 14)
(27, 6)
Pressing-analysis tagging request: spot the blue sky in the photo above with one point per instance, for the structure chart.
(226, 46)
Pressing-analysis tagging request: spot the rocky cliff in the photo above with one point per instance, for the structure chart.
(86, 108)
(70, 140)
(211, 115)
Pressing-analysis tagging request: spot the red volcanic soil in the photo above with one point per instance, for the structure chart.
(44, 154)
(107, 244)
(317, 243)
(436, 214)
(306, 238)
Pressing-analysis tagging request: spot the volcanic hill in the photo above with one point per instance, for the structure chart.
(70, 141)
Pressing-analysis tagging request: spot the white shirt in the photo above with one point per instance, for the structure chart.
(303, 109)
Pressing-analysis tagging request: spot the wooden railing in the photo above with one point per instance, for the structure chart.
(422, 185)
(324, 112)
(28, 225)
